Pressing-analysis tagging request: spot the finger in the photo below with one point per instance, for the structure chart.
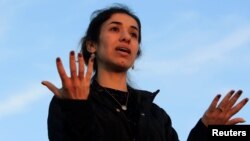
(224, 102)
(61, 70)
(52, 88)
(72, 63)
(90, 67)
(81, 65)
(235, 121)
(239, 106)
(233, 100)
(213, 105)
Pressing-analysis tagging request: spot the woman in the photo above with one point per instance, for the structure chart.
(105, 107)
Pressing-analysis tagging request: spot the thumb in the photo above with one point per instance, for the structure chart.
(236, 121)
(52, 88)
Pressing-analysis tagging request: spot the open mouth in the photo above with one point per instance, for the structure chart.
(123, 49)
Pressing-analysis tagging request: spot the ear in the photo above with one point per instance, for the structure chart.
(91, 46)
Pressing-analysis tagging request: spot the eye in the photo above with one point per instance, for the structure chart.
(115, 29)
(134, 35)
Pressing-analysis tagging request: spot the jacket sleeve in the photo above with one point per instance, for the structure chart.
(199, 132)
(69, 119)
(171, 134)
(166, 127)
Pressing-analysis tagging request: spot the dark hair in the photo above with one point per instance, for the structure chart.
(98, 17)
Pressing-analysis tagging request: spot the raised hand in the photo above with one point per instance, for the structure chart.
(77, 86)
(221, 114)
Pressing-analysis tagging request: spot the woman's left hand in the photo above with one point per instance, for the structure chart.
(222, 114)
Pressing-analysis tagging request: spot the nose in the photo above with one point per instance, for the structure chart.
(125, 37)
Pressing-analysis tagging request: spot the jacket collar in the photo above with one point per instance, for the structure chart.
(143, 98)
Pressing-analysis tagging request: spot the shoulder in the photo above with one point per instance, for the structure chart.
(156, 111)
(144, 94)
(146, 98)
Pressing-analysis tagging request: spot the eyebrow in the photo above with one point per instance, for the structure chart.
(119, 23)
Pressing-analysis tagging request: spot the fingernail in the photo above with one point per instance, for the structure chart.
(243, 121)
(92, 57)
(246, 100)
(232, 92)
(79, 55)
(240, 92)
(43, 82)
(72, 53)
(218, 96)
(58, 59)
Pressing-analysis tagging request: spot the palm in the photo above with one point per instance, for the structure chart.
(76, 86)
(222, 114)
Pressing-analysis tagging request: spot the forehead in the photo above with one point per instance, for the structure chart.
(122, 18)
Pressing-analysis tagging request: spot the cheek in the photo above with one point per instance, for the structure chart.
(103, 45)
(103, 49)
(106, 41)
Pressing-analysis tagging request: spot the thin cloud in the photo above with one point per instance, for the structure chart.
(18, 103)
(3, 30)
(216, 52)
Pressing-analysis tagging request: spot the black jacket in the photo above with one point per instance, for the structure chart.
(100, 119)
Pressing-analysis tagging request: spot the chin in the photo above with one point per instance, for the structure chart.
(122, 68)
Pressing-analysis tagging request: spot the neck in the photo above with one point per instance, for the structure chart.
(112, 80)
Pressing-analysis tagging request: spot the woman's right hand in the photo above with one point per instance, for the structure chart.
(77, 86)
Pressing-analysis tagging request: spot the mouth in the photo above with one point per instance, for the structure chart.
(123, 50)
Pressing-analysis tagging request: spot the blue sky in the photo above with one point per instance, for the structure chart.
(192, 50)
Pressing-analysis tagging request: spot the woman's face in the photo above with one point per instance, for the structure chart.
(118, 43)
